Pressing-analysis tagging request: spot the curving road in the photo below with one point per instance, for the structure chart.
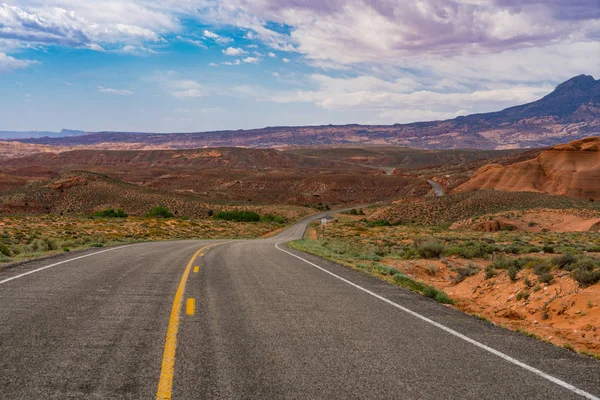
(257, 320)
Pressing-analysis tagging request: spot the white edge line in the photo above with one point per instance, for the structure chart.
(62, 262)
(506, 357)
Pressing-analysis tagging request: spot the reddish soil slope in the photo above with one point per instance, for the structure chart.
(572, 169)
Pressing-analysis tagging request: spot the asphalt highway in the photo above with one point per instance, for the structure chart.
(254, 319)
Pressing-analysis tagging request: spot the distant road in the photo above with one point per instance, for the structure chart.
(257, 320)
(437, 188)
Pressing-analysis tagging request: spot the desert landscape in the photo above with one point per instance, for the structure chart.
(284, 199)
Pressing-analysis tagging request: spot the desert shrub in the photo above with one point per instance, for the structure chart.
(437, 295)
(408, 282)
(546, 277)
(565, 261)
(379, 222)
(508, 228)
(354, 211)
(5, 250)
(539, 266)
(470, 250)
(490, 272)
(410, 253)
(385, 270)
(548, 249)
(586, 277)
(429, 248)
(111, 213)
(237, 216)
(41, 245)
(500, 262)
(464, 272)
(513, 271)
(159, 212)
(272, 218)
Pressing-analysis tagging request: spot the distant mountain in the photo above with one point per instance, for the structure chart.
(7, 135)
(570, 112)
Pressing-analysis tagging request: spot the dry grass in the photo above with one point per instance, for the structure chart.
(28, 237)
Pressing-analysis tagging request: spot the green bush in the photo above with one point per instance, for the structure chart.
(237, 216)
(490, 272)
(429, 248)
(437, 295)
(565, 261)
(546, 277)
(111, 213)
(464, 272)
(160, 212)
(272, 218)
(586, 277)
(513, 271)
(5, 250)
(379, 222)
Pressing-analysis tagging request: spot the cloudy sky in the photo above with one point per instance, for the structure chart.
(195, 65)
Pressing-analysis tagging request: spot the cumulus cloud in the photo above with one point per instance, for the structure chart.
(120, 92)
(251, 60)
(217, 38)
(82, 24)
(185, 88)
(234, 51)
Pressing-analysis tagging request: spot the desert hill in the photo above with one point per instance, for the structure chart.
(198, 158)
(571, 111)
(571, 169)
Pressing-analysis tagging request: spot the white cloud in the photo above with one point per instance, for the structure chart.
(213, 64)
(234, 51)
(183, 94)
(402, 98)
(285, 60)
(276, 74)
(235, 62)
(217, 38)
(251, 60)
(10, 63)
(272, 55)
(120, 92)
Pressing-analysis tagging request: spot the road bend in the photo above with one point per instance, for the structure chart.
(254, 319)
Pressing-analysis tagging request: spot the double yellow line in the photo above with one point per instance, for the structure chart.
(165, 383)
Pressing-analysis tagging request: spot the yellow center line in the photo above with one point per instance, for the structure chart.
(165, 383)
(190, 306)
(196, 269)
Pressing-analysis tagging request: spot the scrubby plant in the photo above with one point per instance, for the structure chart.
(565, 261)
(5, 250)
(586, 274)
(429, 247)
(272, 218)
(490, 272)
(111, 213)
(513, 271)
(464, 272)
(160, 212)
(237, 216)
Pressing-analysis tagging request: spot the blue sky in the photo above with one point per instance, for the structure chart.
(196, 65)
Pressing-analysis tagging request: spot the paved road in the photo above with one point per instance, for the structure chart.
(265, 325)
(437, 188)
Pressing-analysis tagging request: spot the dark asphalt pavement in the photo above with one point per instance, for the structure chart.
(266, 325)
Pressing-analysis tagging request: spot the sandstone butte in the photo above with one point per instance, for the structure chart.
(571, 169)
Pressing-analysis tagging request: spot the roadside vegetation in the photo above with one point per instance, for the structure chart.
(29, 237)
(543, 282)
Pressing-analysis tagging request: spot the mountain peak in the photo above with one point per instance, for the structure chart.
(580, 82)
